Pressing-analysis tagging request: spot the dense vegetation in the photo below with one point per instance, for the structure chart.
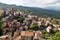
(55, 36)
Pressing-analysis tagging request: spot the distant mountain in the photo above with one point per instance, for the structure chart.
(34, 10)
(56, 8)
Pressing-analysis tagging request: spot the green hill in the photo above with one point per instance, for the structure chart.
(34, 10)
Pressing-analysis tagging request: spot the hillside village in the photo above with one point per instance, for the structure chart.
(17, 25)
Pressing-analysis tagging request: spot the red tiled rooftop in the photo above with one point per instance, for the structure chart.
(27, 33)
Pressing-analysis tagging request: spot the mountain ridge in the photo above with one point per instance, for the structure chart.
(36, 11)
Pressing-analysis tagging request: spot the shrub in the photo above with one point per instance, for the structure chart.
(20, 19)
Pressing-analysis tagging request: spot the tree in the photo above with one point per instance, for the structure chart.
(34, 27)
(1, 28)
(1, 25)
(20, 19)
(56, 36)
(45, 35)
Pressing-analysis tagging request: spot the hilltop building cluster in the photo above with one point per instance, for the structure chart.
(18, 25)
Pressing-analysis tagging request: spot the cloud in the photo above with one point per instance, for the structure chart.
(37, 3)
(56, 3)
(33, 3)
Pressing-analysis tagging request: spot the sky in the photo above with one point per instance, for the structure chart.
(33, 3)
